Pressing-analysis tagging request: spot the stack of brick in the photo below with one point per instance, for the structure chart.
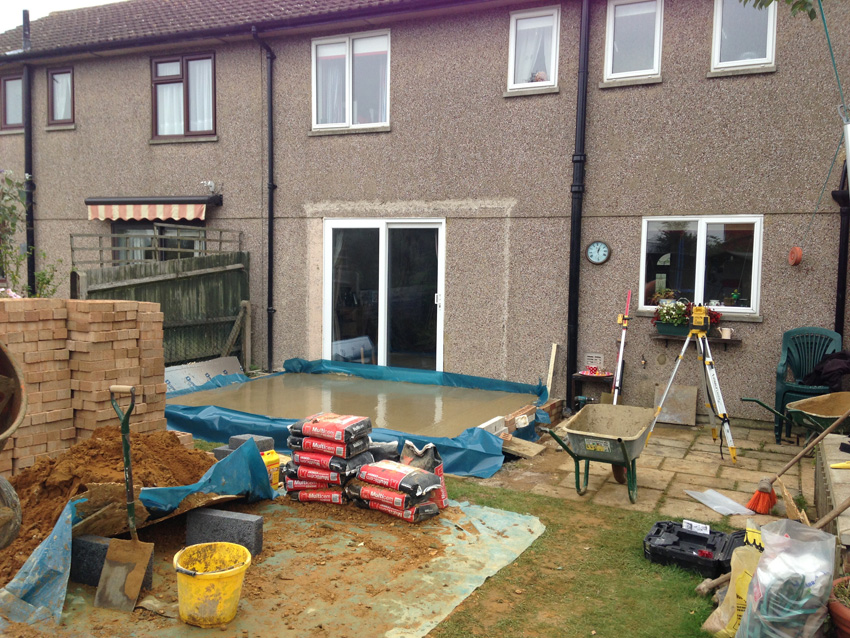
(105, 340)
(34, 330)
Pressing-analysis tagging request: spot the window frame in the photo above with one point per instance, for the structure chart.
(50, 94)
(655, 72)
(348, 40)
(183, 79)
(123, 229)
(555, 12)
(699, 271)
(768, 62)
(4, 126)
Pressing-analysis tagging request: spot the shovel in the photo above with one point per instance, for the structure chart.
(126, 561)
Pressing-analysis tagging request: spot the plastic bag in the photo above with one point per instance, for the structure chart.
(724, 620)
(788, 595)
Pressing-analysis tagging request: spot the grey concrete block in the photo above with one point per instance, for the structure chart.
(264, 443)
(207, 525)
(221, 452)
(88, 553)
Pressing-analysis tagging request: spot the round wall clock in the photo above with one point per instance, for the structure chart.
(597, 252)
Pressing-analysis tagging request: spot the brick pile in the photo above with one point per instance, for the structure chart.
(70, 352)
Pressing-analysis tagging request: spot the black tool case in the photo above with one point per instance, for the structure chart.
(668, 543)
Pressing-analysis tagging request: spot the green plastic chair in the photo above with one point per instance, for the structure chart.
(802, 350)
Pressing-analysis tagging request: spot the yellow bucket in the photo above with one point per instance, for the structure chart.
(209, 582)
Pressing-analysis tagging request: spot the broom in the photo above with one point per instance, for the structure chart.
(764, 497)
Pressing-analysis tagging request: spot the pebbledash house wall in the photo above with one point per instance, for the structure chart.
(498, 169)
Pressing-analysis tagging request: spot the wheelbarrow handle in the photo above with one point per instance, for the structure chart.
(767, 407)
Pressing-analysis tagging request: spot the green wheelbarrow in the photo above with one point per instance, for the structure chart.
(614, 434)
(814, 413)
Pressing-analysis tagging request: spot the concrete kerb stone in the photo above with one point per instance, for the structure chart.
(207, 525)
(264, 443)
(88, 554)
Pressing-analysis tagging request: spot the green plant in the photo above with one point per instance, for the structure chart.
(842, 593)
(797, 6)
(662, 293)
(679, 313)
(12, 258)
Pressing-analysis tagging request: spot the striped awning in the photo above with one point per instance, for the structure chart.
(147, 212)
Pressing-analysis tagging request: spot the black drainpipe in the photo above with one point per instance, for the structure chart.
(270, 309)
(29, 184)
(577, 189)
(842, 198)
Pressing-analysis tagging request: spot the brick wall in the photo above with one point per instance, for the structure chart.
(70, 352)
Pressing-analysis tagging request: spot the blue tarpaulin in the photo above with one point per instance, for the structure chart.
(37, 592)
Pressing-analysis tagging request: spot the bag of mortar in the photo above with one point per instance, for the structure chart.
(294, 485)
(397, 476)
(304, 473)
(384, 451)
(333, 427)
(323, 461)
(788, 594)
(724, 621)
(428, 458)
(334, 448)
(385, 495)
(415, 514)
(335, 497)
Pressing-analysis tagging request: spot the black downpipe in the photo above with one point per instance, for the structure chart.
(270, 309)
(842, 198)
(577, 190)
(29, 183)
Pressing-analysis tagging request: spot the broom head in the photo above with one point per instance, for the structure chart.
(763, 499)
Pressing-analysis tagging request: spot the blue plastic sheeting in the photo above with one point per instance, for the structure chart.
(475, 452)
(218, 381)
(410, 375)
(37, 592)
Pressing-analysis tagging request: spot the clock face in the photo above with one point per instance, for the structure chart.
(598, 252)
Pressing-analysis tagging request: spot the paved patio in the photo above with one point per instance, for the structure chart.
(675, 458)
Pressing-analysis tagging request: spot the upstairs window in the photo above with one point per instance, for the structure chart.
(351, 81)
(714, 261)
(533, 51)
(183, 95)
(60, 90)
(12, 101)
(633, 39)
(744, 36)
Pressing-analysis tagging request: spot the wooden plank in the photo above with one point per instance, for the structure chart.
(551, 369)
(168, 277)
(520, 447)
(234, 333)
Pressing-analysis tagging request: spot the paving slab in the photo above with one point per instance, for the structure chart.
(593, 482)
(552, 491)
(660, 439)
(697, 481)
(615, 495)
(690, 467)
(655, 479)
(772, 467)
(714, 458)
(665, 451)
(680, 432)
(596, 468)
(690, 509)
(786, 450)
(743, 444)
(740, 521)
(649, 460)
(740, 474)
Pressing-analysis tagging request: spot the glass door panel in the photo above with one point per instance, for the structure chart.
(412, 276)
(354, 294)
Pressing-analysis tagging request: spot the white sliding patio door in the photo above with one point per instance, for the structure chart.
(383, 291)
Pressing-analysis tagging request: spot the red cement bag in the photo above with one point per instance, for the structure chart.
(428, 458)
(294, 485)
(334, 448)
(376, 494)
(415, 514)
(396, 476)
(335, 497)
(292, 471)
(333, 463)
(333, 427)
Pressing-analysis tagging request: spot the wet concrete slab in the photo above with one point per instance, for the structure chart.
(427, 410)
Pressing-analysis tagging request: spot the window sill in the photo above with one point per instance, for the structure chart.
(61, 127)
(741, 318)
(613, 84)
(321, 132)
(522, 92)
(748, 70)
(184, 140)
(12, 131)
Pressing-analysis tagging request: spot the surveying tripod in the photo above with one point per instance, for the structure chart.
(699, 325)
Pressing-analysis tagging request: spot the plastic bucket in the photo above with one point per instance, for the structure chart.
(209, 582)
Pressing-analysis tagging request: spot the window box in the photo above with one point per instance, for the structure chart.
(707, 260)
(533, 49)
(12, 102)
(671, 329)
(351, 81)
(633, 39)
(183, 94)
(744, 37)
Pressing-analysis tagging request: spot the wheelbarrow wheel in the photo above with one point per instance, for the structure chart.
(620, 473)
(581, 485)
(631, 479)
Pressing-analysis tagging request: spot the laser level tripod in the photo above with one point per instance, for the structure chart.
(699, 325)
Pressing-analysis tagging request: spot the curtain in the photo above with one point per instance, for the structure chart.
(14, 102)
(200, 95)
(61, 96)
(330, 83)
(533, 49)
(169, 109)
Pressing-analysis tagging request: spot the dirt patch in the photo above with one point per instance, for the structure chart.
(159, 460)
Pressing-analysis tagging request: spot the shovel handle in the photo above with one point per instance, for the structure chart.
(121, 389)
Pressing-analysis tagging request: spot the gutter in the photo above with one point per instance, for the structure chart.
(29, 183)
(209, 200)
(577, 189)
(271, 186)
(842, 198)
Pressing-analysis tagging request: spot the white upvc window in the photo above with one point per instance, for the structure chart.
(713, 260)
(744, 36)
(351, 81)
(533, 49)
(633, 39)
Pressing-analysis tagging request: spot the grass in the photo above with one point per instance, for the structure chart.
(207, 446)
(585, 576)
